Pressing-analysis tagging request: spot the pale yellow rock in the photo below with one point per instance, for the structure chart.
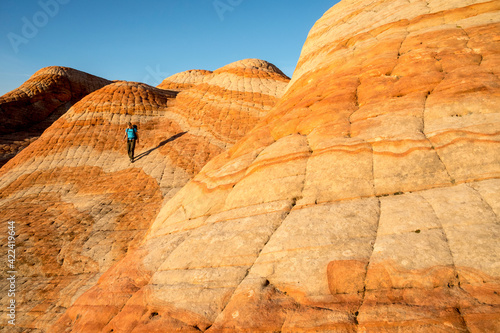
(470, 225)
(490, 192)
(339, 172)
(266, 180)
(309, 238)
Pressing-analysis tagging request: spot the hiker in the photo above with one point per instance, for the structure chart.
(131, 136)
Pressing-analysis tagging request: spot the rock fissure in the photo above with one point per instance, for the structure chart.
(470, 48)
(285, 215)
(144, 283)
(259, 262)
(356, 103)
(455, 271)
(399, 49)
(490, 208)
(462, 319)
(423, 131)
(363, 292)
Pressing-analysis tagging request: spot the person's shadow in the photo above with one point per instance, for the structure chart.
(161, 144)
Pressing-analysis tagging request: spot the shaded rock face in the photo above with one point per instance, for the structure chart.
(28, 110)
(80, 205)
(366, 200)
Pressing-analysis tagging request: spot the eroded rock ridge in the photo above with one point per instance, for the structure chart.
(364, 199)
(78, 202)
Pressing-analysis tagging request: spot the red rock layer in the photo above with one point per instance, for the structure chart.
(80, 205)
(228, 102)
(44, 92)
(366, 200)
(28, 110)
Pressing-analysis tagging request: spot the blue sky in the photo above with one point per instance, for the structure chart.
(149, 40)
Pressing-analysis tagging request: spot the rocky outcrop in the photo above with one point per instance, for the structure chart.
(366, 200)
(42, 94)
(30, 109)
(185, 80)
(80, 205)
(228, 102)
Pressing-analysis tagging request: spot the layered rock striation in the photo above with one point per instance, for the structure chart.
(80, 205)
(365, 200)
(30, 109)
(228, 102)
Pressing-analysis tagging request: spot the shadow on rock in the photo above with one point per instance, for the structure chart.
(161, 144)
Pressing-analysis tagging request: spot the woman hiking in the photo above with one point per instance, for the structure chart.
(131, 136)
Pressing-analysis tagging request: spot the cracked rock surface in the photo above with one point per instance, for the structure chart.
(364, 200)
(80, 205)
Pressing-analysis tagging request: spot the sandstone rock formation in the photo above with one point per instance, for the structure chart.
(28, 110)
(185, 80)
(228, 102)
(366, 200)
(78, 202)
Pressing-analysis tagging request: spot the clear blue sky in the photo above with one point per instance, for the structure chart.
(149, 40)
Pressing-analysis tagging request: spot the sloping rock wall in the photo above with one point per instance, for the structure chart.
(366, 200)
(228, 102)
(28, 110)
(80, 205)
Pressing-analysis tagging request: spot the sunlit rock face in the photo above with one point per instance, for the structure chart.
(78, 202)
(228, 102)
(28, 110)
(366, 200)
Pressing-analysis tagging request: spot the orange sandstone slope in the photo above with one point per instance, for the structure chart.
(223, 105)
(28, 110)
(79, 204)
(184, 80)
(367, 199)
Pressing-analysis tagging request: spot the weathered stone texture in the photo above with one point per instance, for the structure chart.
(185, 80)
(80, 205)
(366, 200)
(228, 102)
(30, 109)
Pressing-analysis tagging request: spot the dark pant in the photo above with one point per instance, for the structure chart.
(130, 148)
